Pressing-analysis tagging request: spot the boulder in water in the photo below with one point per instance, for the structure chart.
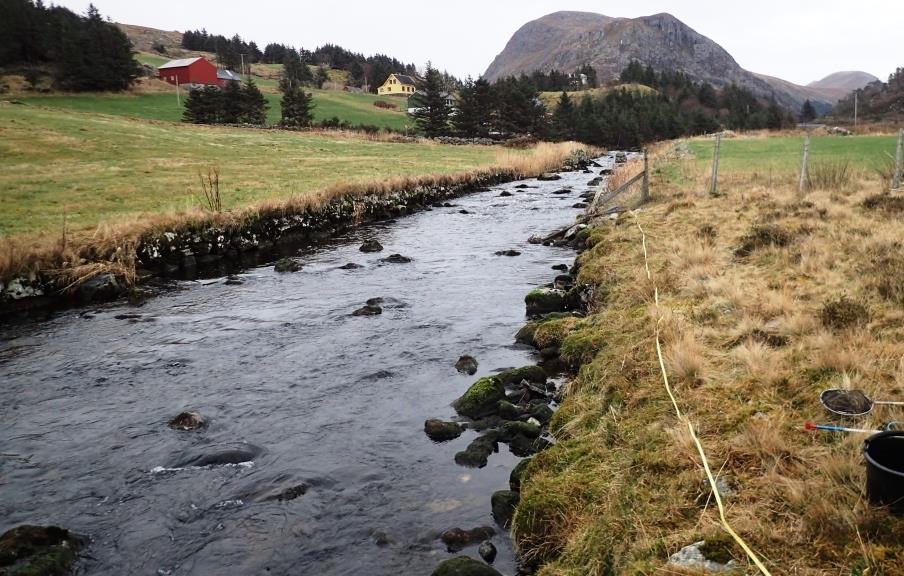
(477, 454)
(517, 475)
(368, 310)
(503, 504)
(371, 246)
(350, 266)
(289, 493)
(505, 194)
(544, 301)
(286, 265)
(511, 253)
(548, 177)
(187, 421)
(516, 375)
(464, 566)
(467, 365)
(561, 267)
(440, 431)
(487, 551)
(481, 398)
(396, 259)
(457, 539)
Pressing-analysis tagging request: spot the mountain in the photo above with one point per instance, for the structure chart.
(567, 40)
(838, 85)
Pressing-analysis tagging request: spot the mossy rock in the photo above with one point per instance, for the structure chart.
(481, 398)
(542, 412)
(464, 566)
(518, 475)
(526, 335)
(581, 346)
(478, 451)
(718, 548)
(503, 504)
(516, 375)
(508, 411)
(544, 300)
(514, 428)
(286, 265)
(38, 551)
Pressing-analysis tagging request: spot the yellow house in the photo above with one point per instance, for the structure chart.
(397, 85)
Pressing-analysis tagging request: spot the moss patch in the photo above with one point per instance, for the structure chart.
(481, 398)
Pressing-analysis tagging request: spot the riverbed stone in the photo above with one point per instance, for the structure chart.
(514, 428)
(508, 253)
(544, 300)
(530, 373)
(440, 431)
(505, 194)
(286, 265)
(478, 452)
(467, 365)
(548, 177)
(188, 420)
(368, 310)
(457, 539)
(396, 259)
(580, 205)
(481, 398)
(503, 504)
(561, 267)
(563, 191)
(524, 187)
(487, 551)
(38, 550)
(542, 412)
(350, 266)
(101, 288)
(291, 493)
(233, 280)
(517, 475)
(371, 246)
(464, 566)
(508, 411)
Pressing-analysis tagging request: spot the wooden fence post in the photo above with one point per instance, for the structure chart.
(803, 165)
(714, 184)
(899, 160)
(645, 192)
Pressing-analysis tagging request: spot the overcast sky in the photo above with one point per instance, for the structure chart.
(797, 40)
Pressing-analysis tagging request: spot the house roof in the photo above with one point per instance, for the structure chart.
(228, 75)
(179, 63)
(405, 79)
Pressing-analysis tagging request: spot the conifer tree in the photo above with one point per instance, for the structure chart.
(475, 109)
(807, 112)
(322, 77)
(254, 105)
(564, 119)
(432, 115)
(297, 108)
(202, 106)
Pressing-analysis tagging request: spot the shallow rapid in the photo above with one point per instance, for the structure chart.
(298, 393)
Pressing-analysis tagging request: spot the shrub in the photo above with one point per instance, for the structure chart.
(385, 105)
(762, 236)
(829, 175)
(844, 313)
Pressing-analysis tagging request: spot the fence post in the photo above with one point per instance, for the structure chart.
(714, 184)
(803, 165)
(899, 160)
(645, 192)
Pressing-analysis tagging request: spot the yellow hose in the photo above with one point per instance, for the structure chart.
(665, 378)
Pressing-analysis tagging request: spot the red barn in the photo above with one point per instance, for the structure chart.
(196, 71)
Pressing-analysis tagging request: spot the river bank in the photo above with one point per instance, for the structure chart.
(761, 298)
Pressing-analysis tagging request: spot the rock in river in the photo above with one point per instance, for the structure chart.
(368, 310)
(187, 421)
(38, 550)
(457, 539)
(544, 301)
(505, 194)
(464, 566)
(503, 504)
(396, 259)
(467, 365)
(548, 177)
(440, 431)
(517, 475)
(284, 265)
(371, 246)
(481, 398)
(508, 253)
(478, 452)
(350, 266)
(487, 551)
(516, 375)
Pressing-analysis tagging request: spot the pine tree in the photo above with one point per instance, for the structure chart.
(295, 72)
(432, 114)
(254, 105)
(475, 109)
(322, 77)
(232, 101)
(297, 108)
(203, 106)
(807, 112)
(564, 120)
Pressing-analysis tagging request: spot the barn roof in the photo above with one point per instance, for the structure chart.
(228, 75)
(180, 63)
(404, 79)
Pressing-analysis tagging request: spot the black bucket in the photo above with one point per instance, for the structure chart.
(884, 455)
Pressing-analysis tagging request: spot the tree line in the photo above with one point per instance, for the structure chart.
(877, 101)
(78, 53)
(622, 117)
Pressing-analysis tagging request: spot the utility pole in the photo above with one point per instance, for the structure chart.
(714, 183)
(243, 66)
(178, 97)
(856, 106)
(899, 160)
(803, 166)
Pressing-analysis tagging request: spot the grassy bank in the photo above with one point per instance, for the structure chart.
(77, 185)
(347, 106)
(766, 299)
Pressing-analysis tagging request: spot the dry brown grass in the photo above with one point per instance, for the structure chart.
(749, 349)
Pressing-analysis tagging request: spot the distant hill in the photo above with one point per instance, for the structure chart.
(567, 40)
(144, 38)
(838, 85)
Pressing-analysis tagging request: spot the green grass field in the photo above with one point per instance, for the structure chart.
(347, 106)
(95, 167)
(783, 153)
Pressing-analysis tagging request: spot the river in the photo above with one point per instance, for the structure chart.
(282, 371)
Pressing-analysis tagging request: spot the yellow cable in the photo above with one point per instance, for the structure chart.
(665, 378)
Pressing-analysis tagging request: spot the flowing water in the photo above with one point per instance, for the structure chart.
(296, 391)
